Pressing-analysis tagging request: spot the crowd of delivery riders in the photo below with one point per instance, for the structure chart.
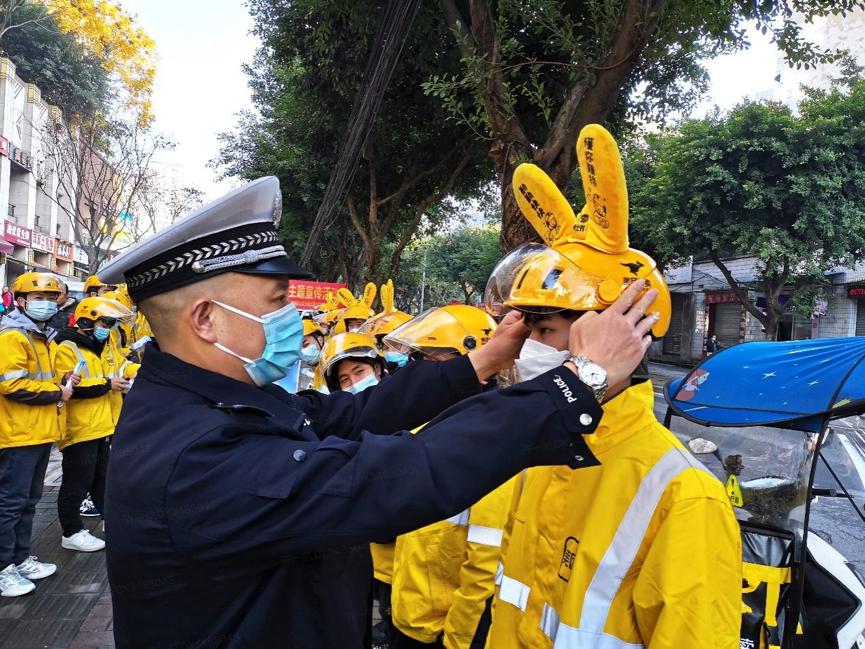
(639, 548)
(65, 365)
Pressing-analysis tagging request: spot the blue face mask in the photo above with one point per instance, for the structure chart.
(101, 333)
(400, 359)
(362, 385)
(40, 310)
(310, 354)
(283, 336)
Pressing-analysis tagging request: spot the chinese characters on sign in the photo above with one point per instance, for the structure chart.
(856, 291)
(308, 295)
(721, 297)
(41, 242)
(14, 233)
(63, 251)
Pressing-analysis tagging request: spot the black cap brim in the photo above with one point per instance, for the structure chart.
(281, 266)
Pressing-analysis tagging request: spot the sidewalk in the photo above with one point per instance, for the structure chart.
(72, 608)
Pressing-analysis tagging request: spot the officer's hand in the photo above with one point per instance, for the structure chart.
(65, 392)
(617, 339)
(119, 384)
(502, 349)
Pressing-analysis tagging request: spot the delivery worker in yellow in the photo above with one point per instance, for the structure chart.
(30, 395)
(351, 362)
(310, 354)
(89, 418)
(643, 549)
(95, 287)
(443, 574)
(117, 354)
(384, 323)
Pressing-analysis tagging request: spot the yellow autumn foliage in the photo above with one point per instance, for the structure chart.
(115, 38)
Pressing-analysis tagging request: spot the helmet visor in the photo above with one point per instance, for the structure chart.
(537, 279)
(433, 330)
(347, 345)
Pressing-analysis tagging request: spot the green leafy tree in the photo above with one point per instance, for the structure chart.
(534, 72)
(788, 189)
(68, 75)
(453, 267)
(305, 80)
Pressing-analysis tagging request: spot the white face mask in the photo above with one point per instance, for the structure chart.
(537, 358)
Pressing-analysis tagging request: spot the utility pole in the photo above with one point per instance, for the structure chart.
(423, 281)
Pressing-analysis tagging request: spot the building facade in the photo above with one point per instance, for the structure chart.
(37, 233)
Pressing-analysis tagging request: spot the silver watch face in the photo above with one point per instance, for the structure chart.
(593, 374)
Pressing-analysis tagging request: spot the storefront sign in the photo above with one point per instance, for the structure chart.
(308, 295)
(80, 256)
(721, 297)
(4, 146)
(856, 291)
(41, 242)
(16, 234)
(63, 250)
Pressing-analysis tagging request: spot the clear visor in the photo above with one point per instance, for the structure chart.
(537, 279)
(433, 330)
(112, 309)
(384, 323)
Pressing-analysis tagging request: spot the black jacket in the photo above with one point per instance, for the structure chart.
(239, 516)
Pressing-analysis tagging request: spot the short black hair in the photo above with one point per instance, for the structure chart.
(543, 313)
(332, 378)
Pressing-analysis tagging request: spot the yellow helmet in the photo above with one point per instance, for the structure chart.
(456, 327)
(357, 308)
(347, 345)
(93, 283)
(94, 308)
(587, 262)
(384, 323)
(32, 282)
(121, 297)
(311, 327)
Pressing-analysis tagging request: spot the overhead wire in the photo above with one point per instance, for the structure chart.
(385, 52)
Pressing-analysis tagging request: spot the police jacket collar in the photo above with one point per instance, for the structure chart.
(223, 392)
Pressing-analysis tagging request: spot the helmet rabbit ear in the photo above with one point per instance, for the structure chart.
(346, 297)
(606, 209)
(544, 206)
(387, 297)
(369, 293)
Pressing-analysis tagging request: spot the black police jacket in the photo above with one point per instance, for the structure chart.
(239, 516)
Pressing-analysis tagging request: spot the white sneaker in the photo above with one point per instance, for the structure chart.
(12, 584)
(82, 541)
(31, 568)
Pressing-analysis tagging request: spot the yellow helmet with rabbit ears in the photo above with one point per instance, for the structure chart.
(587, 261)
(357, 309)
(389, 318)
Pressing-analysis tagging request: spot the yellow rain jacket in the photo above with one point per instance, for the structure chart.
(641, 551)
(88, 413)
(382, 561)
(29, 390)
(445, 573)
(116, 365)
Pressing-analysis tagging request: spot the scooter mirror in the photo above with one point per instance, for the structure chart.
(701, 446)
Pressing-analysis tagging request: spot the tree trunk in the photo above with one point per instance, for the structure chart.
(773, 319)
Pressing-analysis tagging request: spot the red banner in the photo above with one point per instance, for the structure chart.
(721, 297)
(14, 233)
(4, 146)
(308, 295)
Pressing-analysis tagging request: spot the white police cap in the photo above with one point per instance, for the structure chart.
(235, 233)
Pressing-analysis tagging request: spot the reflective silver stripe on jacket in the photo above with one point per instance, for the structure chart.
(17, 374)
(620, 555)
(550, 621)
(85, 372)
(514, 592)
(460, 519)
(485, 535)
(500, 571)
(39, 374)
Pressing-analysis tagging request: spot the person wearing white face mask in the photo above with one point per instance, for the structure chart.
(239, 515)
(29, 424)
(351, 362)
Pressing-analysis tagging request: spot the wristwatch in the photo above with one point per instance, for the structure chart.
(593, 375)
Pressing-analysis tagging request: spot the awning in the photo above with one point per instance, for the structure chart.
(6, 248)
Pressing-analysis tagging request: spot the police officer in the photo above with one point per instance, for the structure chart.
(238, 513)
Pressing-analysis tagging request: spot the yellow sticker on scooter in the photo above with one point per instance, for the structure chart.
(734, 491)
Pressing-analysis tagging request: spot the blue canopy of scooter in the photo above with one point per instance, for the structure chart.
(794, 385)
